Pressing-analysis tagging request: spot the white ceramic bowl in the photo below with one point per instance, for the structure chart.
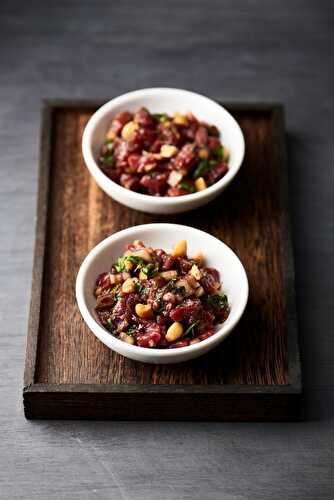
(218, 255)
(162, 100)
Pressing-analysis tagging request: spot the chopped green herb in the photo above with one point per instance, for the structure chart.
(191, 330)
(139, 286)
(160, 117)
(120, 264)
(219, 153)
(108, 159)
(150, 270)
(109, 143)
(110, 325)
(202, 167)
(187, 186)
(131, 330)
(137, 261)
(218, 300)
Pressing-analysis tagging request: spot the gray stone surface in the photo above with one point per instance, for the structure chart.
(250, 50)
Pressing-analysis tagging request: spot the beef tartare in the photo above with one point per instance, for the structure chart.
(151, 298)
(162, 155)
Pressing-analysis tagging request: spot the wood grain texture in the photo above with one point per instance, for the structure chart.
(239, 51)
(250, 216)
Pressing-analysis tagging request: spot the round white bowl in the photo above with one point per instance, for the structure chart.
(162, 100)
(218, 255)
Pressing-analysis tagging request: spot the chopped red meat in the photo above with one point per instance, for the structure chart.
(154, 302)
(135, 145)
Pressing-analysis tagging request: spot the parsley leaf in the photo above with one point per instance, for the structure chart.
(187, 186)
(191, 330)
(110, 325)
(139, 286)
(160, 117)
(202, 167)
(120, 264)
(131, 330)
(109, 143)
(150, 270)
(219, 153)
(218, 300)
(107, 159)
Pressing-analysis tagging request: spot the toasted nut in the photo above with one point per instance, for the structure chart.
(129, 129)
(128, 265)
(187, 286)
(150, 166)
(144, 311)
(167, 150)
(200, 184)
(199, 258)
(174, 332)
(142, 276)
(180, 119)
(143, 253)
(192, 281)
(226, 155)
(195, 272)
(180, 249)
(126, 338)
(203, 153)
(110, 134)
(122, 325)
(199, 291)
(169, 275)
(128, 286)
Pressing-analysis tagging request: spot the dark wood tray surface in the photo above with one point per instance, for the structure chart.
(254, 374)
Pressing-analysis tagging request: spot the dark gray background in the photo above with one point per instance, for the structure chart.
(233, 50)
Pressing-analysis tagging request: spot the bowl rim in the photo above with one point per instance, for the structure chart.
(141, 197)
(93, 324)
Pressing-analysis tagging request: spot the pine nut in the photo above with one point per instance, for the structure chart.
(195, 272)
(203, 153)
(200, 184)
(127, 338)
(128, 286)
(167, 150)
(169, 275)
(128, 265)
(144, 311)
(129, 129)
(180, 119)
(142, 276)
(180, 249)
(143, 253)
(174, 332)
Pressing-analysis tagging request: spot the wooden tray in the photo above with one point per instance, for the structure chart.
(253, 375)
